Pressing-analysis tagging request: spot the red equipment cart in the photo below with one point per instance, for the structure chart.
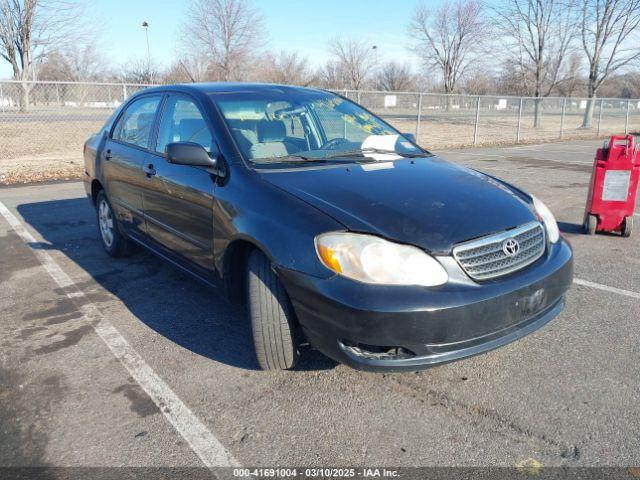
(613, 187)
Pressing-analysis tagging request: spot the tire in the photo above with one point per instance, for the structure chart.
(627, 227)
(113, 241)
(590, 224)
(271, 316)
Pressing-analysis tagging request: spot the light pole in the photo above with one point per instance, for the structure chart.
(145, 25)
(376, 67)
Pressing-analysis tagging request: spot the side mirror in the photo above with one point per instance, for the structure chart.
(189, 153)
(410, 136)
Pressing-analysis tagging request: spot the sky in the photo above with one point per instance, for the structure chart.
(302, 25)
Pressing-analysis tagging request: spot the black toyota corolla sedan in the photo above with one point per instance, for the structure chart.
(335, 229)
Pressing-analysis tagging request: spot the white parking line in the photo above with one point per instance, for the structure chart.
(606, 288)
(200, 439)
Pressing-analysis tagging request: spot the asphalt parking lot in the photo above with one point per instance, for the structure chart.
(183, 388)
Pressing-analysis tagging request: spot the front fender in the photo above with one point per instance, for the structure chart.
(248, 209)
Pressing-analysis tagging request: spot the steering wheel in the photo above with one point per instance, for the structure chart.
(334, 143)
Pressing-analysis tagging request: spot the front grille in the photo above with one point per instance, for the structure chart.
(486, 258)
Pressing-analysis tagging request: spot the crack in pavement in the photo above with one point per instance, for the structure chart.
(488, 419)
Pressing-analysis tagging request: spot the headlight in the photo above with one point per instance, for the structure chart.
(371, 259)
(548, 219)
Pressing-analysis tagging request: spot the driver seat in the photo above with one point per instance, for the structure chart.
(272, 141)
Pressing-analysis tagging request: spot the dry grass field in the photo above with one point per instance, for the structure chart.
(42, 150)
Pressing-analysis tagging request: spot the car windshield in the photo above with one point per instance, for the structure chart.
(275, 127)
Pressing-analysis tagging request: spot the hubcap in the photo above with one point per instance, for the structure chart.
(105, 219)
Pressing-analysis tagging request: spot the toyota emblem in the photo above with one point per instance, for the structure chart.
(510, 247)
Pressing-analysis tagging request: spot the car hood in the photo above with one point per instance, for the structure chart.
(425, 202)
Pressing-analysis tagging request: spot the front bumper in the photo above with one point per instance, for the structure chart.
(353, 322)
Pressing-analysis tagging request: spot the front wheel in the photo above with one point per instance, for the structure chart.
(113, 242)
(271, 316)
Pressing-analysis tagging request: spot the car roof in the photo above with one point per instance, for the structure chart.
(229, 87)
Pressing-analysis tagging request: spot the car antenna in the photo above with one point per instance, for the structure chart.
(193, 80)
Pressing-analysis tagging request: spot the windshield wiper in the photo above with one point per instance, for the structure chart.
(341, 157)
(364, 151)
(295, 158)
(393, 152)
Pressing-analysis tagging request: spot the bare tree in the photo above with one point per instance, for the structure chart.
(571, 80)
(354, 61)
(609, 32)
(479, 82)
(511, 80)
(79, 63)
(140, 70)
(330, 76)
(227, 32)
(537, 36)
(449, 38)
(396, 77)
(29, 29)
(188, 69)
(624, 85)
(287, 68)
(76, 63)
(176, 73)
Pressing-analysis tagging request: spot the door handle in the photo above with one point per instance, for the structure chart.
(149, 170)
(107, 155)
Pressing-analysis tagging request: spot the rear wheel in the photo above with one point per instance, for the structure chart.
(627, 226)
(114, 243)
(590, 224)
(271, 316)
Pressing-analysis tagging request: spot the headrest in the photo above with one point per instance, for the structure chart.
(144, 120)
(271, 131)
(188, 127)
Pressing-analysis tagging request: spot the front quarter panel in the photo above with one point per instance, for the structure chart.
(247, 208)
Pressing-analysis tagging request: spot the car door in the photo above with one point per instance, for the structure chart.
(178, 199)
(125, 153)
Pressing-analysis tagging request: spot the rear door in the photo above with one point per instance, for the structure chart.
(125, 153)
(178, 199)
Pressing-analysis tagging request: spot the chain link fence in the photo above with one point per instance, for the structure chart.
(444, 121)
(43, 125)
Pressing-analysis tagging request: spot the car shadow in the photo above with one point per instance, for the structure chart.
(578, 229)
(567, 227)
(167, 300)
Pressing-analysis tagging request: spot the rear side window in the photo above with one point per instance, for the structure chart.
(134, 126)
(183, 122)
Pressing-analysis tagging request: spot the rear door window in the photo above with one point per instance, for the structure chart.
(134, 126)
